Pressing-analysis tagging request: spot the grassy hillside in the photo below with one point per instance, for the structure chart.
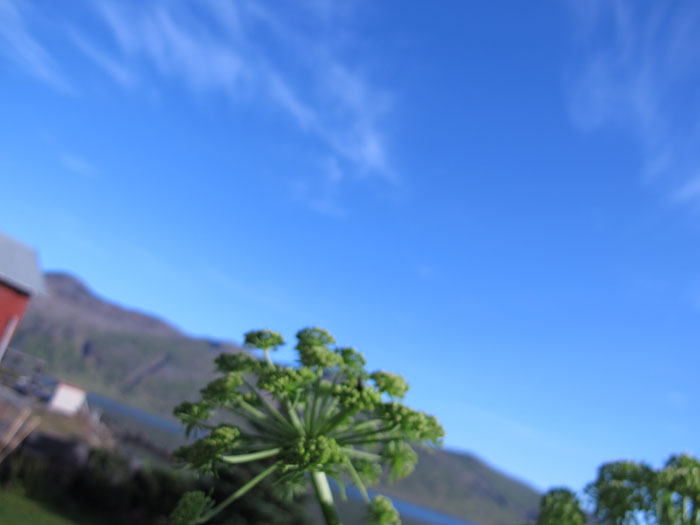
(18, 509)
(113, 351)
(147, 363)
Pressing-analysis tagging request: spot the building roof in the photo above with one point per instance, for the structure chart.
(19, 266)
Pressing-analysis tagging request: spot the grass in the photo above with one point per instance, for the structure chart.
(18, 509)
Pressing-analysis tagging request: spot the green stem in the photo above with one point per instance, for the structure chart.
(268, 431)
(314, 406)
(361, 454)
(326, 412)
(244, 458)
(325, 498)
(362, 435)
(307, 415)
(366, 441)
(356, 478)
(270, 409)
(324, 404)
(370, 424)
(294, 417)
(336, 420)
(253, 446)
(265, 430)
(240, 492)
(252, 410)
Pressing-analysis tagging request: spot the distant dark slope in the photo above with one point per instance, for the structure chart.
(70, 302)
(464, 486)
(114, 351)
(145, 362)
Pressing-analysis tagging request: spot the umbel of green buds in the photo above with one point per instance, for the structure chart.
(326, 417)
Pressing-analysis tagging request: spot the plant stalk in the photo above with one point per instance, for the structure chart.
(244, 458)
(325, 498)
(240, 492)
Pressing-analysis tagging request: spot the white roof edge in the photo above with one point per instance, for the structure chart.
(19, 266)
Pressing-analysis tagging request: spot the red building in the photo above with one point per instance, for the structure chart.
(20, 279)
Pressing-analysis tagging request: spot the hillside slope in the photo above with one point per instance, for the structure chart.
(149, 364)
(114, 351)
(462, 485)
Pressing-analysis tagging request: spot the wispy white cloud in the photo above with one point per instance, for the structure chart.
(293, 58)
(270, 296)
(282, 93)
(245, 48)
(322, 194)
(178, 45)
(690, 191)
(362, 142)
(116, 70)
(636, 71)
(77, 165)
(17, 42)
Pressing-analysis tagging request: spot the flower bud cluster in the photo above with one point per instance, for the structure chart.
(400, 457)
(382, 512)
(313, 348)
(682, 475)
(413, 424)
(263, 340)
(312, 452)
(191, 506)
(193, 415)
(224, 390)
(239, 362)
(369, 471)
(204, 453)
(392, 384)
(352, 360)
(355, 399)
(285, 380)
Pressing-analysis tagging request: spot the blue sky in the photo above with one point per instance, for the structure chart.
(498, 200)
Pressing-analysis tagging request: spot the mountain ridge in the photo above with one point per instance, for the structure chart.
(69, 292)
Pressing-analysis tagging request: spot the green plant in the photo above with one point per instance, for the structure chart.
(560, 506)
(325, 417)
(631, 493)
(624, 491)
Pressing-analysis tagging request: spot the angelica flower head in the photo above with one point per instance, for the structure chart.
(325, 417)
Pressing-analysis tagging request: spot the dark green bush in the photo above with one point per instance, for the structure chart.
(109, 488)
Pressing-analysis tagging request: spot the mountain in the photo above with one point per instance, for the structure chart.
(114, 351)
(70, 302)
(462, 485)
(146, 362)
